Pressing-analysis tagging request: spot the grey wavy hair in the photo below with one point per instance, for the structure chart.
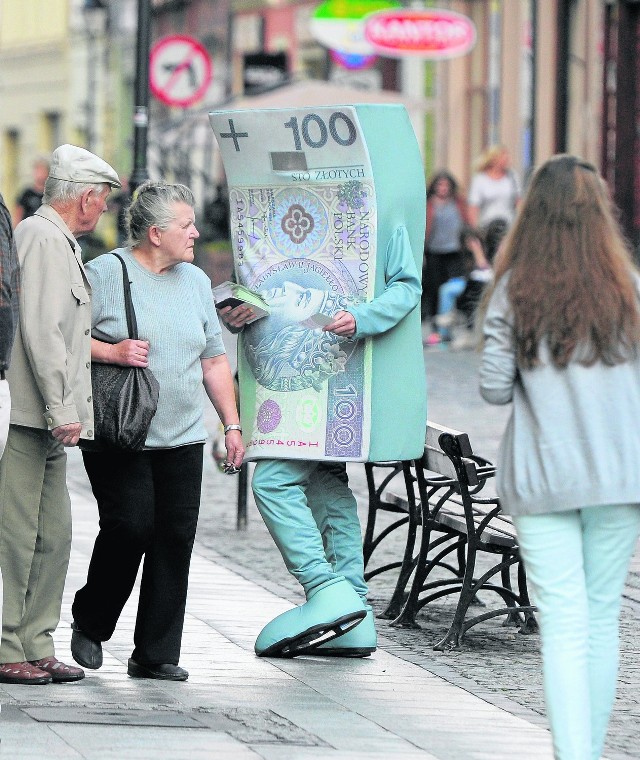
(63, 191)
(152, 207)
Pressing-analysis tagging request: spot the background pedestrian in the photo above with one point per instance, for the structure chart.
(480, 251)
(443, 258)
(30, 199)
(494, 192)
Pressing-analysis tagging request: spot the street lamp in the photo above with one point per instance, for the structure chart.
(92, 12)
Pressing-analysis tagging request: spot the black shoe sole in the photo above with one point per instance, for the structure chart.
(307, 641)
(321, 651)
(67, 679)
(26, 681)
(135, 670)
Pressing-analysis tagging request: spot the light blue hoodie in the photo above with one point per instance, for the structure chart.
(573, 438)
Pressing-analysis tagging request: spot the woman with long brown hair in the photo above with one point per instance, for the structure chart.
(561, 342)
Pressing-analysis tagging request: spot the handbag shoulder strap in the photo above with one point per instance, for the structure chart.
(132, 324)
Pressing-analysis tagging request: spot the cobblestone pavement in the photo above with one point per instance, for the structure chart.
(496, 663)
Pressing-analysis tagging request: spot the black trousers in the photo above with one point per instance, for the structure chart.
(148, 504)
(469, 301)
(437, 268)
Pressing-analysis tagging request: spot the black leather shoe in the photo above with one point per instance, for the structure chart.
(162, 671)
(85, 651)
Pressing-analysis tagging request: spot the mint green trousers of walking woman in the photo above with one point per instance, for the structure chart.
(577, 563)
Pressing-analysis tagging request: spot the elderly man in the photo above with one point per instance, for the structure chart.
(50, 382)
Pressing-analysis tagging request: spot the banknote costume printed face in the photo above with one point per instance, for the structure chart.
(327, 218)
(288, 352)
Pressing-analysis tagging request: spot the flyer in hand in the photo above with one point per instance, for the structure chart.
(234, 294)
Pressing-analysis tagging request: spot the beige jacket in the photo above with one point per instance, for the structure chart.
(50, 371)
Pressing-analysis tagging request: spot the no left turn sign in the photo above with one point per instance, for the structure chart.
(179, 70)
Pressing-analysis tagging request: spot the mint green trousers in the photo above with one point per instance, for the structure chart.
(577, 563)
(312, 516)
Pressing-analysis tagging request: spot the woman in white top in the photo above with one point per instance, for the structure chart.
(494, 191)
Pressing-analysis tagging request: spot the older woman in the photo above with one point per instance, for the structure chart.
(148, 501)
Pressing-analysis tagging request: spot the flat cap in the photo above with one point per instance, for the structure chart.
(74, 164)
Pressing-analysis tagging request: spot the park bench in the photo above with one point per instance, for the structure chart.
(448, 523)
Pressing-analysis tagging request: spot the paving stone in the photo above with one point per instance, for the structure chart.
(498, 663)
(405, 702)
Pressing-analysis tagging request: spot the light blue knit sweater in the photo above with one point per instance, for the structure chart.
(573, 438)
(176, 314)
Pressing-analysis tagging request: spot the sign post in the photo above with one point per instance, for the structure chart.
(141, 105)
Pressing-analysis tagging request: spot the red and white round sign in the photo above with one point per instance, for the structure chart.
(180, 70)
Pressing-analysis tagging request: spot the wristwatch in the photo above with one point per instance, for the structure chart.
(227, 428)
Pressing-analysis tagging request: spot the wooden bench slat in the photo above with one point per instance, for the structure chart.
(488, 536)
(452, 515)
(399, 502)
(436, 461)
(435, 431)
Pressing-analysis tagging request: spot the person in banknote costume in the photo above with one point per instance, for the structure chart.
(327, 222)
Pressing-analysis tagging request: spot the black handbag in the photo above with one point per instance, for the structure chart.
(125, 399)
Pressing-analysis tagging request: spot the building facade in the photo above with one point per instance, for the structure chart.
(35, 86)
(545, 76)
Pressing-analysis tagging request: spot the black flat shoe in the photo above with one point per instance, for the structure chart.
(162, 671)
(85, 651)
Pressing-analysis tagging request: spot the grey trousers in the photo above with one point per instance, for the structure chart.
(5, 411)
(35, 542)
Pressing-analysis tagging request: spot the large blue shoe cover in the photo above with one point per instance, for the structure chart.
(360, 641)
(332, 609)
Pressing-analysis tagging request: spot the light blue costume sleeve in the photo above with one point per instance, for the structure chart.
(498, 370)
(401, 293)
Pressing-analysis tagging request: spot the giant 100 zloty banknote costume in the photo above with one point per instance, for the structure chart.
(312, 210)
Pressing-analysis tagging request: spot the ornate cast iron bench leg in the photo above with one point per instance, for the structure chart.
(530, 624)
(513, 618)
(454, 635)
(411, 519)
(407, 615)
(408, 562)
(372, 513)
